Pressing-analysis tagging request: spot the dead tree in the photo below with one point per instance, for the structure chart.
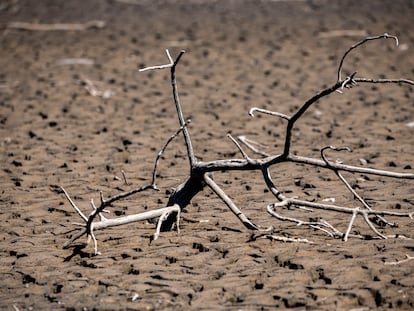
(201, 173)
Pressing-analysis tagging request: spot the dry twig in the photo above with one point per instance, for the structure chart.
(394, 263)
(56, 27)
(343, 33)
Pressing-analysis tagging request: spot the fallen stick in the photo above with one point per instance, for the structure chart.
(75, 61)
(343, 33)
(55, 27)
(201, 173)
(394, 263)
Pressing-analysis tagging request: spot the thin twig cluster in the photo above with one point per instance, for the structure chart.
(201, 173)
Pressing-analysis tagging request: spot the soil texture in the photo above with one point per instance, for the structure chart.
(76, 112)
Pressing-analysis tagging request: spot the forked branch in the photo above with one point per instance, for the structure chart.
(201, 173)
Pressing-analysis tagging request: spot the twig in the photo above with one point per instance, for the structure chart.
(394, 263)
(75, 61)
(92, 90)
(371, 226)
(271, 186)
(223, 196)
(104, 222)
(319, 225)
(286, 239)
(126, 183)
(394, 81)
(341, 62)
(162, 150)
(173, 209)
(172, 65)
(113, 222)
(272, 113)
(56, 27)
(346, 210)
(342, 33)
(351, 223)
(74, 205)
(258, 164)
(244, 154)
(158, 67)
(349, 168)
(345, 182)
(271, 208)
(250, 144)
(187, 139)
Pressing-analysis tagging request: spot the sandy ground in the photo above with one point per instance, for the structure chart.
(239, 54)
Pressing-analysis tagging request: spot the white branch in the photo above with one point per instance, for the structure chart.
(200, 172)
(56, 27)
(172, 209)
(286, 239)
(112, 222)
(393, 263)
(272, 113)
(351, 223)
(74, 205)
(160, 66)
(223, 196)
(250, 144)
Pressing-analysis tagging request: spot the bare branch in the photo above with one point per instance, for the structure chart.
(107, 223)
(372, 227)
(302, 110)
(273, 189)
(169, 65)
(349, 168)
(342, 33)
(348, 186)
(319, 225)
(346, 210)
(272, 113)
(351, 223)
(161, 152)
(113, 222)
(341, 62)
(286, 239)
(244, 154)
(172, 209)
(126, 183)
(187, 139)
(325, 226)
(101, 217)
(250, 144)
(74, 205)
(258, 164)
(56, 27)
(223, 196)
(395, 81)
(394, 263)
(200, 173)
(177, 102)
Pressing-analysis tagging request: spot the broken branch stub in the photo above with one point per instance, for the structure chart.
(200, 173)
